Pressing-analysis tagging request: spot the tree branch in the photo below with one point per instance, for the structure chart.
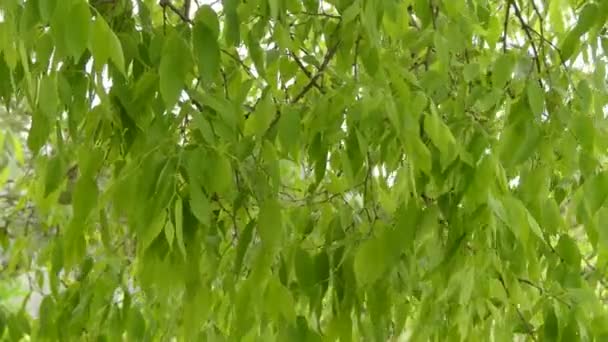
(305, 71)
(167, 3)
(330, 53)
(506, 27)
(526, 27)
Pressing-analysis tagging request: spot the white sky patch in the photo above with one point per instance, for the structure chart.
(514, 182)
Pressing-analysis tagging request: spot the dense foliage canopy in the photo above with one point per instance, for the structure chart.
(304, 170)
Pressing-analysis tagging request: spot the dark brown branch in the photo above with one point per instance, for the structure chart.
(506, 27)
(305, 71)
(186, 9)
(331, 16)
(238, 60)
(167, 3)
(330, 53)
(526, 27)
(529, 327)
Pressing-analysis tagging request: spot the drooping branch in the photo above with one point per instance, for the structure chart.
(305, 71)
(167, 4)
(328, 56)
(526, 29)
(506, 27)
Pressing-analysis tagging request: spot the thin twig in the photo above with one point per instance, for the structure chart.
(167, 3)
(528, 325)
(506, 27)
(331, 16)
(330, 53)
(525, 26)
(238, 60)
(305, 71)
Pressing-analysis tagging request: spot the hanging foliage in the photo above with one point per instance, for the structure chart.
(305, 170)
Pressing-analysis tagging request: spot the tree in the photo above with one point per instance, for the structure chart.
(306, 170)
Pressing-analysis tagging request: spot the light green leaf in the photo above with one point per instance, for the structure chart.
(220, 175)
(501, 73)
(206, 50)
(370, 261)
(419, 153)
(351, 12)
(179, 226)
(259, 121)
(116, 53)
(232, 31)
(257, 54)
(551, 325)
(280, 301)
(568, 250)
(55, 173)
(77, 37)
(274, 8)
(587, 17)
(441, 136)
(39, 131)
(289, 128)
(304, 269)
(84, 198)
(170, 234)
(175, 64)
(105, 45)
(222, 106)
(518, 143)
(270, 225)
(199, 203)
(536, 97)
(207, 17)
(243, 243)
(48, 98)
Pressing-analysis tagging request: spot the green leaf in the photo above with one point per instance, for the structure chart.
(232, 31)
(419, 153)
(199, 203)
(175, 64)
(280, 301)
(304, 269)
(551, 325)
(370, 261)
(105, 45)
(170, 234)
(39, 131)
(242, 245)
(149, 233)
(259, 121)
(536, 97)
(179, 226)
(569, 45)
(270, 224)
(207, 51)
(55, 173)
(116, 53)
(257, 54)
(518, 143)
(207, 17)
(48, 102)
(220, 175)
(84, 197)
(595, 194)
(289, 128)
(77, 37)
(441, 136)
(568, 250)
(587, 17)
(501, 72)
